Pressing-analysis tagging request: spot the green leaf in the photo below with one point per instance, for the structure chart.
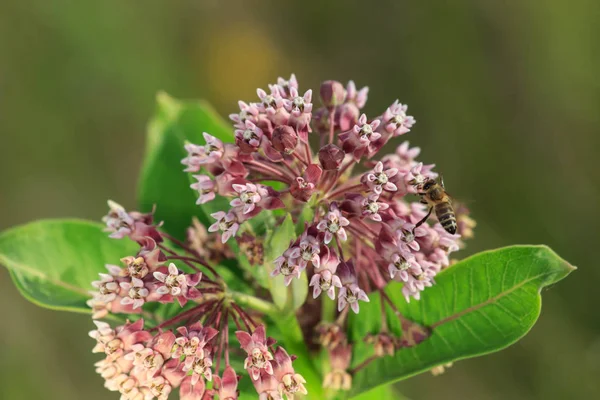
(53, 262)
(306, 215)
(163, 182)
(478, 306)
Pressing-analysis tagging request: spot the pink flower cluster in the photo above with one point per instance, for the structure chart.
(362, 227)
(364, 232)
(184, 351)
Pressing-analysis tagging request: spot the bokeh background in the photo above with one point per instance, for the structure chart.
(506, 94)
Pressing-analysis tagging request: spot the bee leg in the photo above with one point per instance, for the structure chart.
(423, 220)
(423, 201)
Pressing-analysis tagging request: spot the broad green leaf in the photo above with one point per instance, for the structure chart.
(163, 182)
(478, 306)
(53, 262)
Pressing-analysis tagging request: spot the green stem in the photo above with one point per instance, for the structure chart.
(255, 303)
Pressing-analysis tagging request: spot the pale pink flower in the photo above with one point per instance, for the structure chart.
(108, 287)
(288, 265)
(192, 343)
(324, 278)
(191, 391)
(147, 362)
(349, 293)
(228, 384)
(177, 284)
(249, 138)
(267, 386)
(395, 120)
(357, 97)
(249, 195)
(247, 112)
(371, 207)
(199, 156)
(309, 251)
(205, 188)
(290, 382)
(325, 281)
(118, 221)
(402, 265)
(136, 293)
(256, 347)
(285, 86)
(407, 233)
(333, 225)
(226, 223)
(379, 179)
(298, 105)
(160, 387)
(201, 367)
(269, 103)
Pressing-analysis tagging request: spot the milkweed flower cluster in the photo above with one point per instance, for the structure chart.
(365, 229)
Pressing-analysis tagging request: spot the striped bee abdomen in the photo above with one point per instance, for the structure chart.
(445, 214)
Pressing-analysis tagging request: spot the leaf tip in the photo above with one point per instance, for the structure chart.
(167, 103)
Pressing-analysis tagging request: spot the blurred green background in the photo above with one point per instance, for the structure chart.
(506, 95)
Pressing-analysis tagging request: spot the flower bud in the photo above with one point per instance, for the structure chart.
(284, 139)
(332, 93)
(331, 157)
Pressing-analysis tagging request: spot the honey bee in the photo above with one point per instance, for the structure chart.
(434, 194)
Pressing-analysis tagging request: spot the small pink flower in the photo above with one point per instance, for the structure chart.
(406, 154)
(402, 265)
(118, 221)
(177, 284)
(371, 207)
(290, 382)
(247, 112)
(267, 386)
(285, 86)
(357, 97)
(108, 287)
(287, 265)
(205, 187)
(147, 362)
(201, 367)
(249, 195)
(192, 343)
(349, 293)
(136, 293)
(395, 119)
(191, 391)
(256, 347)
(226, 223)
(269, 103)
(380, 179)
(198, 156)
(366, 131)
(325, 281)
(228, 384)
(160, 388)
(249, 138)
(406, 234)
(333, 224)
(298, 105)
(309, 251)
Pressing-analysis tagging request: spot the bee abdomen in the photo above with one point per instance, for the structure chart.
(445, 214)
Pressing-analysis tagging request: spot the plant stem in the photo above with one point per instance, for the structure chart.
(255, 303)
